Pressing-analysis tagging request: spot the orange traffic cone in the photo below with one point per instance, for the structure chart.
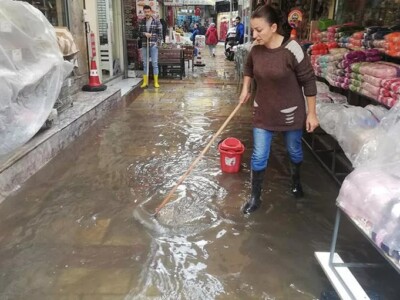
(94, 80)
(199, 63)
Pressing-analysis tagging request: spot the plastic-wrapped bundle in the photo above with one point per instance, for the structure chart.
(378, 111)
(322, 87)
(367, 191)
(337, 98)
(32, 71)
(386, 234)
(384, 146)
(355, 126)
(371, 196)
(328, 116)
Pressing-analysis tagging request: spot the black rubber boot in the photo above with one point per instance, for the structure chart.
(297, 189)
(257, 178)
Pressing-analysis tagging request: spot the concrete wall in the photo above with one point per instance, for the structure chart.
(77, 29)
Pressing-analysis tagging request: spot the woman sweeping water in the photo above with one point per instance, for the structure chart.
(282, 72)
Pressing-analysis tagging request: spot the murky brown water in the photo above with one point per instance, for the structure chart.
(81, 228)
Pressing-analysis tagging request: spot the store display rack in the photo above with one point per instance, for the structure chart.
(325, 148)
(329, 153)
(337, 271)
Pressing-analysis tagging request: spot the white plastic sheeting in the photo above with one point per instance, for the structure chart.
(32, 70)
(371, 193)
(384, 146)
(351, 126)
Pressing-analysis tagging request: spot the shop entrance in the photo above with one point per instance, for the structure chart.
(109, 49)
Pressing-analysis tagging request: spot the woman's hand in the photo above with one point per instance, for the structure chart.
(311, 122)
(244, 96)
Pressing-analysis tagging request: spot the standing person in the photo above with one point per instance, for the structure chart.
(282, 71)
(212, 38)
(194, 33)
(164, 28)
(193, 37)
(150, 30)
(239, 31)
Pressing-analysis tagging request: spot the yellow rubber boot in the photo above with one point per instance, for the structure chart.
(145, 81)
(156, 85)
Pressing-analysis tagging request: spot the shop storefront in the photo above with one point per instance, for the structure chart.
(56, 11)
(105, 21)
(354, 48)
(355, 53)
(368, 13)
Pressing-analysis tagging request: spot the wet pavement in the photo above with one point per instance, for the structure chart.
(81, 227)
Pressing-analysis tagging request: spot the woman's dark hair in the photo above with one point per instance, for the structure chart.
(272, 15)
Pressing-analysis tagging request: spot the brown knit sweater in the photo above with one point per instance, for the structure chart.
(280, 74)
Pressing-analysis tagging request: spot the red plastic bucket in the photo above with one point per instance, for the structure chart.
(231, 151)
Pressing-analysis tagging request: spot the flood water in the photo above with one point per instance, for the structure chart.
(81, 228)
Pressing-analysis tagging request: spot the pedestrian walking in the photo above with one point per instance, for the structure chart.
(151, 34)
(212, 38)
(282, 72)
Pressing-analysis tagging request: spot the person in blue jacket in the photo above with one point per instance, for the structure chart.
(239, 31)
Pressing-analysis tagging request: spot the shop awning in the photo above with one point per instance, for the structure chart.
(188, 2)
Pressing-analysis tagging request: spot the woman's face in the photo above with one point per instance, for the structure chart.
(262, 31)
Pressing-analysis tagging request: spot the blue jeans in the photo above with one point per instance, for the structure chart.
(262, 146)
(154, 58)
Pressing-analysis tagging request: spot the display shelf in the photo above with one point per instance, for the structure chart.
(353, 98)
(343, 281)
(367, 234)
(328, 153)
(338, 272)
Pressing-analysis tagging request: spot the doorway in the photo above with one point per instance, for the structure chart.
(110, 42)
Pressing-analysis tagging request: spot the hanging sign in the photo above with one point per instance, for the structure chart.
(295, 17)
(173, 2)
(152, 3)
(199, 2)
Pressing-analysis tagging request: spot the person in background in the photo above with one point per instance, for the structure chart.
(164, 28)
(202, 29)
(212, 38)
(194, 33)
(282, 72)
(193, 38)
(150, 30)
(239, 31)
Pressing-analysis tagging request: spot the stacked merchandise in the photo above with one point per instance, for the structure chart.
(371, 80)
(344, 32)
(393, 44)
(389, 93)
(317, 50)
(374, 37)
(336, 73)
(356, 40)
(326, 64)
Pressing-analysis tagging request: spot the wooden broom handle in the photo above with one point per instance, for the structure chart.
(191, 167)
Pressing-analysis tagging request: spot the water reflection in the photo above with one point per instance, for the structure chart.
(177, 269)
(82, 227)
